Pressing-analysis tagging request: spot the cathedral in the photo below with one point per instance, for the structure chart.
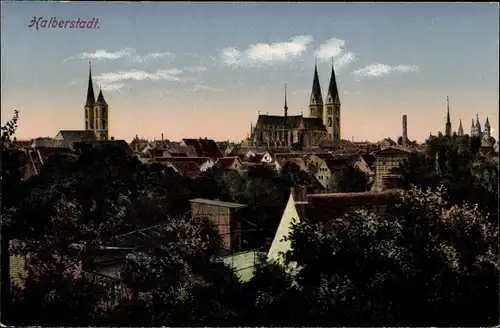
(96, 112)
(322, 124)
(475, 130)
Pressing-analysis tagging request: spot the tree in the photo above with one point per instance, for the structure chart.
(420, 264)
(293, 175)
(271, 297)
(364, 264)
(457, 164)
(11, 161)
(351, 179)
(55, 286)
(175, 281)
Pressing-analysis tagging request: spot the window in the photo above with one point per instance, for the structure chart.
(330, 110)
(329, 122)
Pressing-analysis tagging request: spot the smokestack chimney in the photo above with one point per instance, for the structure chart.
(162, 137)
(405, 131)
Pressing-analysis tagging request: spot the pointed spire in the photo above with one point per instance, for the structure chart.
(332, 87)
(316, 89)
(460, 131)
(90, 90)
(478, 126)
(286, 106)
(487, 121)
(100, 98)
(448, 109)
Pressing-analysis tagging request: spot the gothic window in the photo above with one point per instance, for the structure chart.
(330, 110)
(103, 124)
(337, 121)
(329, 122)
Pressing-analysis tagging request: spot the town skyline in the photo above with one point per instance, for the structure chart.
(198, 79)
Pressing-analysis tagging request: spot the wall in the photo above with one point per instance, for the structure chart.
(219, 216)
(324, 175)
(383, 165)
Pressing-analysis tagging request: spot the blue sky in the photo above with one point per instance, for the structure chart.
(206, 69)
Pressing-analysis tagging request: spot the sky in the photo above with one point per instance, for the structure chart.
(207, 69)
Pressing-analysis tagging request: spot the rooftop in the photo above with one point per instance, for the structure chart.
(217, 203)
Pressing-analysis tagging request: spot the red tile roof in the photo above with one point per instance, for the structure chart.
(225, 162)
(324, 207)
(204, 147)
(330, 206)
(184, 159)
(187, 169)
(255, 159)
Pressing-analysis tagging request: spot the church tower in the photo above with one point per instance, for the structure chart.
(89, 105)
(460, 131)
(96, 112)
(331, 117)
(448, 132)
(478, 126)
(316, 102)
(487, 128)
(101, 118)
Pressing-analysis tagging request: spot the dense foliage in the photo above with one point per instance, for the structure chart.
(430, 259)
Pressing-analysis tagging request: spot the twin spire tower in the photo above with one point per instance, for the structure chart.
(329, 111)
(96, 112)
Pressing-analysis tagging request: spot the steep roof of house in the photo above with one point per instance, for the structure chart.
(189, 151)
(204, 147)
(257, 158)
(187, 169)
(225, 162)
(217, 203)
(122, 144)
(337, 164)
(185, 159)
(210, 148)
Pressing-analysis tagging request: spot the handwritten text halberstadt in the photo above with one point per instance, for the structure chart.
(53, 22)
